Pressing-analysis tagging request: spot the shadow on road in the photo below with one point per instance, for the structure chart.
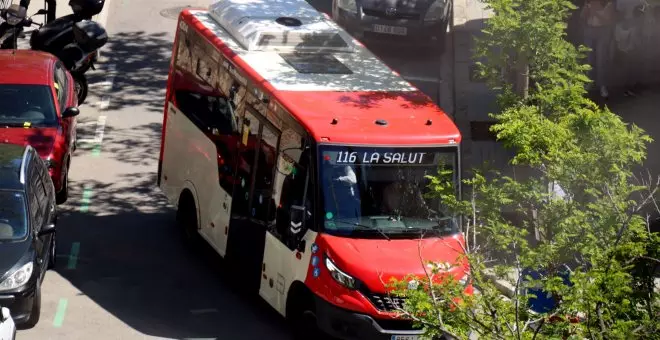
(133, 264)
(144, 59)
(131, 261)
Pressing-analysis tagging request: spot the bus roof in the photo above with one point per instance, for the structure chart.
(337, 89)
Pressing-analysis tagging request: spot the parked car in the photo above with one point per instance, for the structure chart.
(7, 326)
(414, 22)
(39, 108)
(28, 214)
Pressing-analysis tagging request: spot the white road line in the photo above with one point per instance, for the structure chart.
(85, 123)
(98, 133)
(422, 79)
(104, 103)
(100, 129)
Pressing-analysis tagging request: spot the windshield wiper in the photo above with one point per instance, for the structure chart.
(367, 227)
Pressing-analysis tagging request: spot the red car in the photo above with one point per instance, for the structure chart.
(38, 106)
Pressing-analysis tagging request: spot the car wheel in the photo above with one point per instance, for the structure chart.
(63, 194)
(81, 87)
(302, 321)
(35, 314)
(52, 259)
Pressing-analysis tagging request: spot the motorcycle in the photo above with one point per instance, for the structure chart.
(74, 39)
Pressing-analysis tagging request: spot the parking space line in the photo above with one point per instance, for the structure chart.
(61, 311)
(204, 310)
(99, 133)
(86, 198)
(111, 70)
(73, 256)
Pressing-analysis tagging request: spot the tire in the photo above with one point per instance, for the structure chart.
(35, 314)
(52, 259)
(186, 220)
(302, 320)
(81, 87)
(63, 194)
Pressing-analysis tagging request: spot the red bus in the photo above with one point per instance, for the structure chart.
(301, 158)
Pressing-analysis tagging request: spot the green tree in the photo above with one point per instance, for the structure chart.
(590, 248)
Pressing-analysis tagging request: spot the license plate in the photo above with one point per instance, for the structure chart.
(391, 30)
(405, 337)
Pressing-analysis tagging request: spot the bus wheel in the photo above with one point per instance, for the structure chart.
(302, 319)
(186, 218)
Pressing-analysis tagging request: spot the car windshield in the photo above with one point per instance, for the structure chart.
(13, 221)
(26, 106)
(383, 191)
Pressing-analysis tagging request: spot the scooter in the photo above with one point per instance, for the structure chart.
(75, 39)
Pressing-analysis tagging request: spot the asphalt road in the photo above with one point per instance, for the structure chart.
(122, 272)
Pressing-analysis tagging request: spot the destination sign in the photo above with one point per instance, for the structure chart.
(378, 157)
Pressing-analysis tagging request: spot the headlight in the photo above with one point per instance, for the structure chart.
(437, 11)
(339, 276)
(465, 280)
(347, 5)
(17, 278)
(13, 20)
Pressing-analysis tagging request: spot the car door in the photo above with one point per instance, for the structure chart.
(62, 85)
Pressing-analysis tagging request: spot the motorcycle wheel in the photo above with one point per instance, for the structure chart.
(81, 87)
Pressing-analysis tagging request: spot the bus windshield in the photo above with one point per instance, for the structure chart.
(382, 191)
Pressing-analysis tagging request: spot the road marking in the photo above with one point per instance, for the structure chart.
(86, 198)
(111, 71)
(73, 256)
(204, 310)
(100, 129)
(99, 133)
(104, 103)
(85, 123)
(59, 315)
(423, 79)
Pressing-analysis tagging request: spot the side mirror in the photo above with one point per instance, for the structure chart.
(41, 12)
(47, 229)
(5, 315)
(70, 112)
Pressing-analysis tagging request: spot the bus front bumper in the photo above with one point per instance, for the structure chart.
(349, 325)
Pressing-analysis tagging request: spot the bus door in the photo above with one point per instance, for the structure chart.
(252, 207)
(285, 257)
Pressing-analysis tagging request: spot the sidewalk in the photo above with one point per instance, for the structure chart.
(472, 100)
(644, 111)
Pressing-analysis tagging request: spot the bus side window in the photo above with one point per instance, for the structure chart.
(207, 107)
(292, 186)
(247, 162)
(263, 205)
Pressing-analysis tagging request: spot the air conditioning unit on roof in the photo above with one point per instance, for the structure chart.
(279, 25)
